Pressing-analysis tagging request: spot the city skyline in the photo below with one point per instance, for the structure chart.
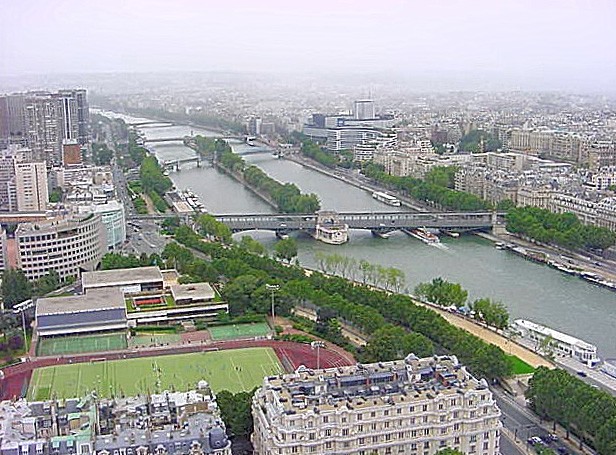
(447, 45)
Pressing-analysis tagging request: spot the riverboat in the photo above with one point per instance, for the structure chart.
(560, 344)
(386, 198)
(330, 230)
(424, 235)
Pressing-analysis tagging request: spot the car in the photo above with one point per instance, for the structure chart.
(535, 440)
(582, 373)
(562, 450)
(552, 437)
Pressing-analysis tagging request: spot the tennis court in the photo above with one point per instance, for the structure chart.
(77, 344)
(234, 370)
(235, 331)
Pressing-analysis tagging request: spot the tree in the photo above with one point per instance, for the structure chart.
(15, 287)
(286, 249)
(238, 293)
(442, 292)
(491, 312)
(235, 410)
(392, 342)
(449, 451)
(46, 284)
(252, 245)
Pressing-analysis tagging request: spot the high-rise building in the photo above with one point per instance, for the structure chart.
(411, 406)
(364, 110)
(43, 121)
(8, 190)
(31, 186)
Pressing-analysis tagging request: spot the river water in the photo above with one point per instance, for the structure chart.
(529, 290)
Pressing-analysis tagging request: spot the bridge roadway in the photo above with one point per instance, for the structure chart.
(384, 222)
(166, 139)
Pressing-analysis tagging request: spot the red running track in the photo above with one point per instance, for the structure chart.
(291, 355)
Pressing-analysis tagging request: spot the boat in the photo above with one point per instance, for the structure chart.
(453, 234)
(386, 198)
(500, 246)
(330, 230)
(560, 343)
(381, 235)
(424, 235)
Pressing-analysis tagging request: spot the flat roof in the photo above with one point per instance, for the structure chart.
(120, 277)
(192, 291)
(92, 300)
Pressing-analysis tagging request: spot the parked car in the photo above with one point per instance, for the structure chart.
(535, 440)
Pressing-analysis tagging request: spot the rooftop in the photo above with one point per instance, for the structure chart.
(360, 386)
(92, 300)
(119, 277)
(193, 291)
(558, 336)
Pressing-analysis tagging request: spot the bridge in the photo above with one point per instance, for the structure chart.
(152, 122)
(165, 139)
(378, 222)
(175, 164)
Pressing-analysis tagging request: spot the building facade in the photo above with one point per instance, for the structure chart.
(411, 406)
(31, 186)
(68, 246)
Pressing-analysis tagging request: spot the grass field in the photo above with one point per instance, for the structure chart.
(234, 370)
(80, 343)
(520, 366)
(152, 339)
(234, 331)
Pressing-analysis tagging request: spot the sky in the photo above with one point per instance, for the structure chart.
(522, 43)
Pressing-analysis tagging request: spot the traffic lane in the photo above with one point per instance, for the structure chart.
(507, 447)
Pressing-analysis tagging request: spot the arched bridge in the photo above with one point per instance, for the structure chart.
(383, 222)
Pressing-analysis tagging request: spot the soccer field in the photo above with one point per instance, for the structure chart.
(78, 344)
(233, 370)
(235, 331)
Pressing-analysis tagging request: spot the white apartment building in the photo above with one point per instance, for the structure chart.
(603, 178)
(113, 218)
(31, 186)
(606, 213)
(68, 246)
(584, 209)
(412, 406)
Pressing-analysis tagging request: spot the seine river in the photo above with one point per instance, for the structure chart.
(529, 290)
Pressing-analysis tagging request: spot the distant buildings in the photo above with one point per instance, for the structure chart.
(46, 123)
(412, 406)
(361, 133)
(23, 182)
(169, 423)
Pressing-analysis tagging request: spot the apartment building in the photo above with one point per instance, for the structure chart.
(412, 406)
(168, 423)
(31, 186)
(67, 246)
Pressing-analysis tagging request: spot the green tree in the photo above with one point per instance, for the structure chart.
(252, 245)
(442, 292)
(235, 410)
(46, 284)
(238, 293)
(491, 312)
(286, 249)
(15, 287)
(449, 451)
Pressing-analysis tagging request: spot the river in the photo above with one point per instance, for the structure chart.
(529, 290)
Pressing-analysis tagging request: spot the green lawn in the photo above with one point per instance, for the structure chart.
(234, 370)
(80, 343)
(234, 331)
(520, 366)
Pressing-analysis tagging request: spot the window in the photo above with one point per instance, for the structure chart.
(362, 441)
(345, 432)
(474, 438)
(328, 432)
(328, 445)
(325, 419)
(386, 412)
(424, 408)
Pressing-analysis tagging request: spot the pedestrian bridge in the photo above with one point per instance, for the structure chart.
(379, 222)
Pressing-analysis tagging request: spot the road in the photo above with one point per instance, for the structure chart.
(523, 424)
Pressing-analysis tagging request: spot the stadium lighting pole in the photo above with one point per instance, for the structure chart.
(318, 345)
(273, 288)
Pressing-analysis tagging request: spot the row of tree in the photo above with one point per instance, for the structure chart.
(155, 184)
(287, 196)
(589, 412)
(444, 293)
(390, 278)
(431, 190)
(245, 276)
(562, 229)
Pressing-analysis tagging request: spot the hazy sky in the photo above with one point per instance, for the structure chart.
(528, 43)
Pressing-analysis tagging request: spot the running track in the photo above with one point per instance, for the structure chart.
(291, 355)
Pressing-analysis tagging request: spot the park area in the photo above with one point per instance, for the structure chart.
(234, 370)
(78, 344)
(238, 331)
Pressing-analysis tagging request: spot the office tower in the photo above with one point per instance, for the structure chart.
(364, 110)
(43, 127)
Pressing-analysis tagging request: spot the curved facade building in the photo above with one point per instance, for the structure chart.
(67, 246)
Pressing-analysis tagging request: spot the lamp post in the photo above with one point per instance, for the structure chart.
(273, 288)
(318, 345)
